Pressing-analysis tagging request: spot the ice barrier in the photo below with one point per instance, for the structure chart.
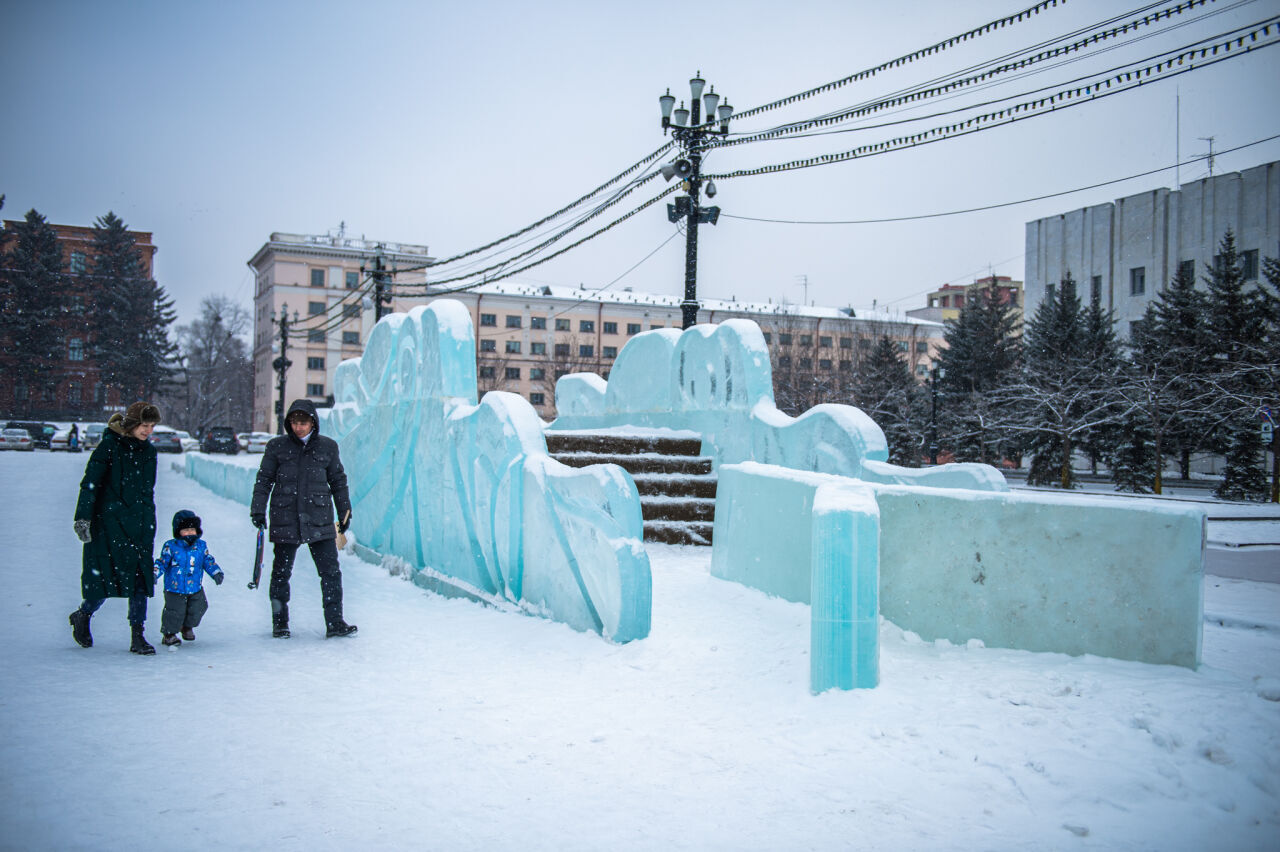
(466, 491)
(1026, 570)
(716, 380)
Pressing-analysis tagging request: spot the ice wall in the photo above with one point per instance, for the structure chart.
(468, 491)
(716, 380)
(1026, 570)
(814, 540)
(235, 482)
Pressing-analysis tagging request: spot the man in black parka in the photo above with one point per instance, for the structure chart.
(303, 476)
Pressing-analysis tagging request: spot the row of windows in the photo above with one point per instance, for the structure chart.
(824, 342)
(560, 350)
(352, 279)
(349, 338)
(1186, 268)
(585, 326)
(488, 371)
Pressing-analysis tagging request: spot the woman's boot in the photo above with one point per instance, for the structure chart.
(140, 645)
(80, 629)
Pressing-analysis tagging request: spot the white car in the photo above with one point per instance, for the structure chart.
(61, 441)
(16, 439)
(257, 442)
(189, 444)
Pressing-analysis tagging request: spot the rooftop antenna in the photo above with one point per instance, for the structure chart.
(803, 281)
(1177, 138)
(1209, 139)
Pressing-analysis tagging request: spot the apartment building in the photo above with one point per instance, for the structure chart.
(946, 302)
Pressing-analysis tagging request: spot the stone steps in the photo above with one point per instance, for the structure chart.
(676, 484)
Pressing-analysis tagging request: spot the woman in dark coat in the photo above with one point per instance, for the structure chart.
(116, 520)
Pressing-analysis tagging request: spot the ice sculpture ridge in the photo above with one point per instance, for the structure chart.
(468, 492)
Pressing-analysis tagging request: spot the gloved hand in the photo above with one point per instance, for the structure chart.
(82, 531)
(218, 578)
(345, 523)
(259, 520)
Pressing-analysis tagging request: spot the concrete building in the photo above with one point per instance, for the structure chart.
(527, 335)
(77, 392)
(1127, 251)
(946, 302)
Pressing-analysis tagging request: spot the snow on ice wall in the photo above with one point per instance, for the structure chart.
(467, 490)
(814, 540)
(1032, 571)
(716, 380)
(221, 477)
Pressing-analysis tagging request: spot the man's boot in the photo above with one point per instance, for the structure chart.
(80, 629)
(339, 628)
(140, 645)
(279, 619)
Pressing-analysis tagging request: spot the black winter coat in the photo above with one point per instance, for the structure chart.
(303, 482)
(117, 497)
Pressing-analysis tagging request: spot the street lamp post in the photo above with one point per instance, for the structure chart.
(694, 138)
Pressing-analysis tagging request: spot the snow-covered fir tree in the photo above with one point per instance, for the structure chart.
(33, 301)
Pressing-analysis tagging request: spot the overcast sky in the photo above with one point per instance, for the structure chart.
(453, 124)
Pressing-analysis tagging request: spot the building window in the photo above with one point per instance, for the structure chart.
(922, 370)
(587, 326)
(486, 372)
(560, 374)
(488, 345)
(1050, 292)
(846, 366)
(314, 308)
(537, 349)
(633, 328)
(513, 347)
(315, 335)
(1095, 288)
(1249, 264)
(806, 363)
(562, 325)
(77, 263)
(317, 280)
(538, 323)
(513, 321)
(353, 280)
(1187, 269)
(351, 311)
(75, 349)
(784, 339)
(562, 350)
(611, 328)
(824, 342)
(315, 390)
(902, 345)
(314, 363)
(586, 351)
(768, 337)
(846, 343)
(512, 373)
(537, 398)
(784, 362)
(864, 342)
(75, 395)
(824, 363)
(537, 373)
(351, 338)
(489, 320)
(922, 346)
(609, 351)
(1137, 281)
(806, 340)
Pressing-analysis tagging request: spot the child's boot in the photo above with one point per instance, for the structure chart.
(188, 634)
(140, 645)
(80, 629)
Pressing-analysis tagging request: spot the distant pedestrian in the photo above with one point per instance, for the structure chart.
(183, 561)
(116, 520)
(73, 439)
(303, 477)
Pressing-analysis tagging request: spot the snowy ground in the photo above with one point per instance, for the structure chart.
(445, 725)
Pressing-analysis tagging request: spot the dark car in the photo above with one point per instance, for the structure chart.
(220, 439)
(166, 440)
(41, 433)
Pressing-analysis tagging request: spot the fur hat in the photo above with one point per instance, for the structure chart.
(139, 413)
(184, 518)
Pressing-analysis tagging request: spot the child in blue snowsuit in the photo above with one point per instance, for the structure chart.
(183, 560)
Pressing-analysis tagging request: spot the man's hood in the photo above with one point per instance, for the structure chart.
(308, 408)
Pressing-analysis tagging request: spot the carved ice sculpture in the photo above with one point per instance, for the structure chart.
(466, 492)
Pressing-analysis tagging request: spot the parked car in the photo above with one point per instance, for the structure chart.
(220, 439)
(16, 439)
(189, 444)
(92, 435)
(242, 438)
(61, 441)
(41, 433)
(166, 440)
(257, 442)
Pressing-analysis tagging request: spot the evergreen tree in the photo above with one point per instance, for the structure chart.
(1237, 347)
(132, 316)
(33, 297)
(1101, 349)
(1133, 459)
(981, 356)
(885, 390)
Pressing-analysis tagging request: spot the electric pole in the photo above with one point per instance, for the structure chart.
(381, 286)
(282, 363)
(694, 138)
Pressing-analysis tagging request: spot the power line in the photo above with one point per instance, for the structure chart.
(1000, 204)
